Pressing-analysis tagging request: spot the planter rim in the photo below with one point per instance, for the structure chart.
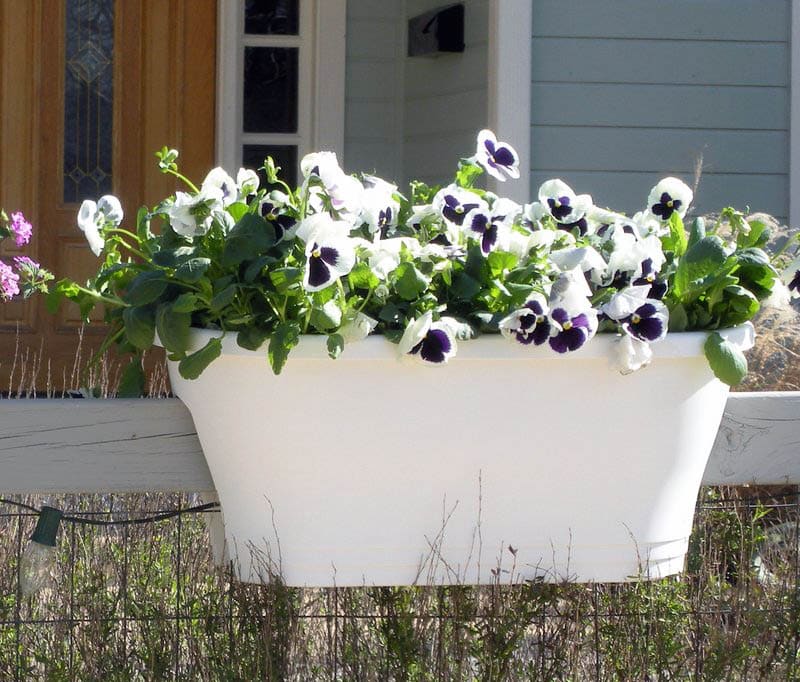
(487, 346)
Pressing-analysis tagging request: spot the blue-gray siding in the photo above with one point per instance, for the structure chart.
(627, 91)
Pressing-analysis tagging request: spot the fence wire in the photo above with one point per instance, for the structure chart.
(146, 602)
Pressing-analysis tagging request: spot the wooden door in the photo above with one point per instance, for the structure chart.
(145, 75)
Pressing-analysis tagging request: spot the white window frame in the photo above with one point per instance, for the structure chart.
(509, 85)
(321, 75)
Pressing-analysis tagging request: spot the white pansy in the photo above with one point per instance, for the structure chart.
(357, 327)
(562, 203)
(571, 291)
(219, 180)
(379, 208)
(432, 342)
(586, 258)
(414, 333)
(188, 215)
(330, 256)
(780, 297)
(247, 181)
(631, 354)
(344, 191)
(670, 195)
(625, 302)
(315, 226)
(87, 222)
(453, 203)
(499, 159)
(93, 217)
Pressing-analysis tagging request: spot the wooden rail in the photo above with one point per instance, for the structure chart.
(151, 445)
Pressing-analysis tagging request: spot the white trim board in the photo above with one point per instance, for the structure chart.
(150, 445)
(794, 118)
(509, 84)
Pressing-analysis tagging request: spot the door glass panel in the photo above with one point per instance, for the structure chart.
(285, 156)
(271, 17)
(88, 98)
(270, 89)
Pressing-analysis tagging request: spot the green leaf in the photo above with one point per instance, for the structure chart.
(701, 260)
(193, 269)
(283, 339)
(146, 288)
(140, 326)
(224, 298)
(467, 173)
(409, 282)
(362, 277)
(698, 231)
(252, 338)
(329, 316)
(335, 345)
(678, 320)
(676, 241)
(255, 268)
(238, 210)
(173, 328)
(192, 366)
(131, 383)
(143, 224)
(185, 303)
(738, 305)
(464, 287)
(500, 261)
(247, 240)
(726, 360)
(284, 279)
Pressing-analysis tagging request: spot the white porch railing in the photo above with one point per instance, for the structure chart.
(53, 446)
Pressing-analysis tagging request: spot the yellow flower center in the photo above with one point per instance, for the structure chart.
(459, 209)
(317, 253)
(670, 203)
(635, 318)
(567, 326)
(271, 216)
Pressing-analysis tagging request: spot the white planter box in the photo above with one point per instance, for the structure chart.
(371, 470)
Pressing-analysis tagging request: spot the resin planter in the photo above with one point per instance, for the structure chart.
(508, 463)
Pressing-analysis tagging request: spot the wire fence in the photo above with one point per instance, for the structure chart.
(146, 602)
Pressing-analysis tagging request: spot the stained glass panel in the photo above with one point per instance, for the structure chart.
(88, 98)
(271, 17)
(285, 156)
(270, 89)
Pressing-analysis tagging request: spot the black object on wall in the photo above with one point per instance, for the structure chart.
(440, 30)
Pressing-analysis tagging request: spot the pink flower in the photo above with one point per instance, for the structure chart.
(21, 228)
(9, 282)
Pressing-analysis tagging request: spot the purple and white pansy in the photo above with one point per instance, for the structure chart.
(453, 203)
(491, 227)
(669, 196)
(571, 329)
(499, 159)
(433, 342)
(329, 257)
(791, 277)
(529, 324)
(559, 201)
(639, 316)
(379, 208)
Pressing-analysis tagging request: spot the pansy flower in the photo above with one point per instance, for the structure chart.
(344, 191)
(329, 257)
(559, 201)
(190, 216)
(791, 277)
(219, 181)
(454, 203)
(529, 324)
(427, 340)
(631, 354)
(643, 318)
(379, 207)
(498, 158)
(569, 331)
(94, 217)
(280, 222)
(491, 228)
(247, 181)
(648, 276)
(669, 196)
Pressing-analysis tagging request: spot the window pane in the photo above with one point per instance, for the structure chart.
(88, 98)
(285, 156)
(275, 17)
(270, 89)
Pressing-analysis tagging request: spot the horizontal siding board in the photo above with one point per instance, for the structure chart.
(369, 80)
(373, 9)
(672, 106)
(659, 150)
(150, 445)
(666, 62)
(370, 120)
(446, 74)
(434, 114)
(373, 40)
(370, 156)
(628, 191)
(709, 19)
(436, 156)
